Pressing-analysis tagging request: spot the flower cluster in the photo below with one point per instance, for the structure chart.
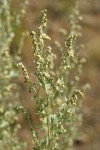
(58, 107)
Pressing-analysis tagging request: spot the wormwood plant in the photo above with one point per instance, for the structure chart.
(59, 105)
(8, 90)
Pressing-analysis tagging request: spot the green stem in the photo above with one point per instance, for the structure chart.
(48, 125)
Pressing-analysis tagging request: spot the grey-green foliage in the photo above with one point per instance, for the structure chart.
(59, 105)
(9, 91)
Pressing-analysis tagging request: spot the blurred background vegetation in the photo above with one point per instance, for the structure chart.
(58, 11)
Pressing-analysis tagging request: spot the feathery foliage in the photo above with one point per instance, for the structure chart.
(59, 105)
(8, 71)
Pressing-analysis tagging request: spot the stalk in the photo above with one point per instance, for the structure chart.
(48, 125)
